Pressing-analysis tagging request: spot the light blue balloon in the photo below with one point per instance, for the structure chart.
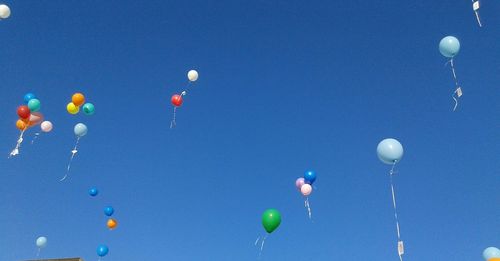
(491, 252)
(80, 130)
(449, 46)
(34, 105)
(28, 97)
(390, 151)
(88, 108)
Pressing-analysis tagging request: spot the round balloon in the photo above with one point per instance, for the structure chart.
(494, 259)
(111, 224)
(34, 105)
(23, 111)
(4, 11)
(491, 252)
(271, 219)
(449, 46)
(80, 130)
(193, 75)
(299, 182)
(72, 108)
(309, 177)
(93, 192)
(108, 211)
(102, 250)
(28, 97)
(88, 108)
(306, 189)
(46, 126)
(176, 100)
(21, 124)
(78, 99)
(390, 151)
(41, 242)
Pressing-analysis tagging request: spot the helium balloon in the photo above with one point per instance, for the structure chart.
(491, 252)
(299, 182)
(193, 75)
(78, 99)
(108, 211)
(35, 119)
(41, 242)
(93, 192)
(88, 108)
(494, 259)
(28, 97)
(4, 11)
(449, 46)
(34, 105)
(309, 177)
(21, 124)
(390, 151)
(102, 250)
(271, 219)
(72, 108)
(80, 130)
(176, 100)
(46, 126)
(306, 189)
(111, 224)
(23, 111)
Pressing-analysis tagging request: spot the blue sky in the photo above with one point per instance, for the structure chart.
(285, 86)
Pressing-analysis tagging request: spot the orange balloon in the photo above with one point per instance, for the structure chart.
(494, 259)
(78, 99)
(112, 223)
(21, 124)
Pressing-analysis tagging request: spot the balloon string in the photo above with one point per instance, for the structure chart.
(458, 90)
(34, 138)
(476, 8)
(308, 206)
(73, 153)
(38, 252)
(172, 123)
(400, 242)
(15, 151)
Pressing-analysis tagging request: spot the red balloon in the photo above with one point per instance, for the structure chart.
(23, 112)
(176, 100)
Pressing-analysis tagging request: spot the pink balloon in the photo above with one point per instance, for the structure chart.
(35, 118)
(306, 189)
(299, 182)
(46, 126)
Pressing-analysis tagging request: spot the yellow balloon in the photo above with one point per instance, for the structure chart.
(72, 108)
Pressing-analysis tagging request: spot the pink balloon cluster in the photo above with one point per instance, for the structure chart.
(303, 187)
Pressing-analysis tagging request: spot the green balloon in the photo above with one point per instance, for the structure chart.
(88, 108)
(271, 220)
(34, 105)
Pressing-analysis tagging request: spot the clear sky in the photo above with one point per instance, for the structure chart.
(285, 86)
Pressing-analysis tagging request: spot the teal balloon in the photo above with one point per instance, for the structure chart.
(80, 130)
(449, 46)
(34, 105)
(390, 151)
(490, 253)
(88, 108)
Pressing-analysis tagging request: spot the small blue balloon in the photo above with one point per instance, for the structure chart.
(108, 211)
(80, 130)
(102, 250)
(390, 151)
(28, 97)
(449, 46)
(93, 192)
(491, 252)
(309, 177)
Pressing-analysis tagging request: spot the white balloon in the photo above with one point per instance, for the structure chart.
(4, 11)
(41, 242)
(46, 126)
(193, 75)
(306, 189)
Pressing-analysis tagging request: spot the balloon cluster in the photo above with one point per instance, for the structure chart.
(177, 99)
(29, 116)
(77, 100)
(304, 185)
(491, 254)
(103, 250)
